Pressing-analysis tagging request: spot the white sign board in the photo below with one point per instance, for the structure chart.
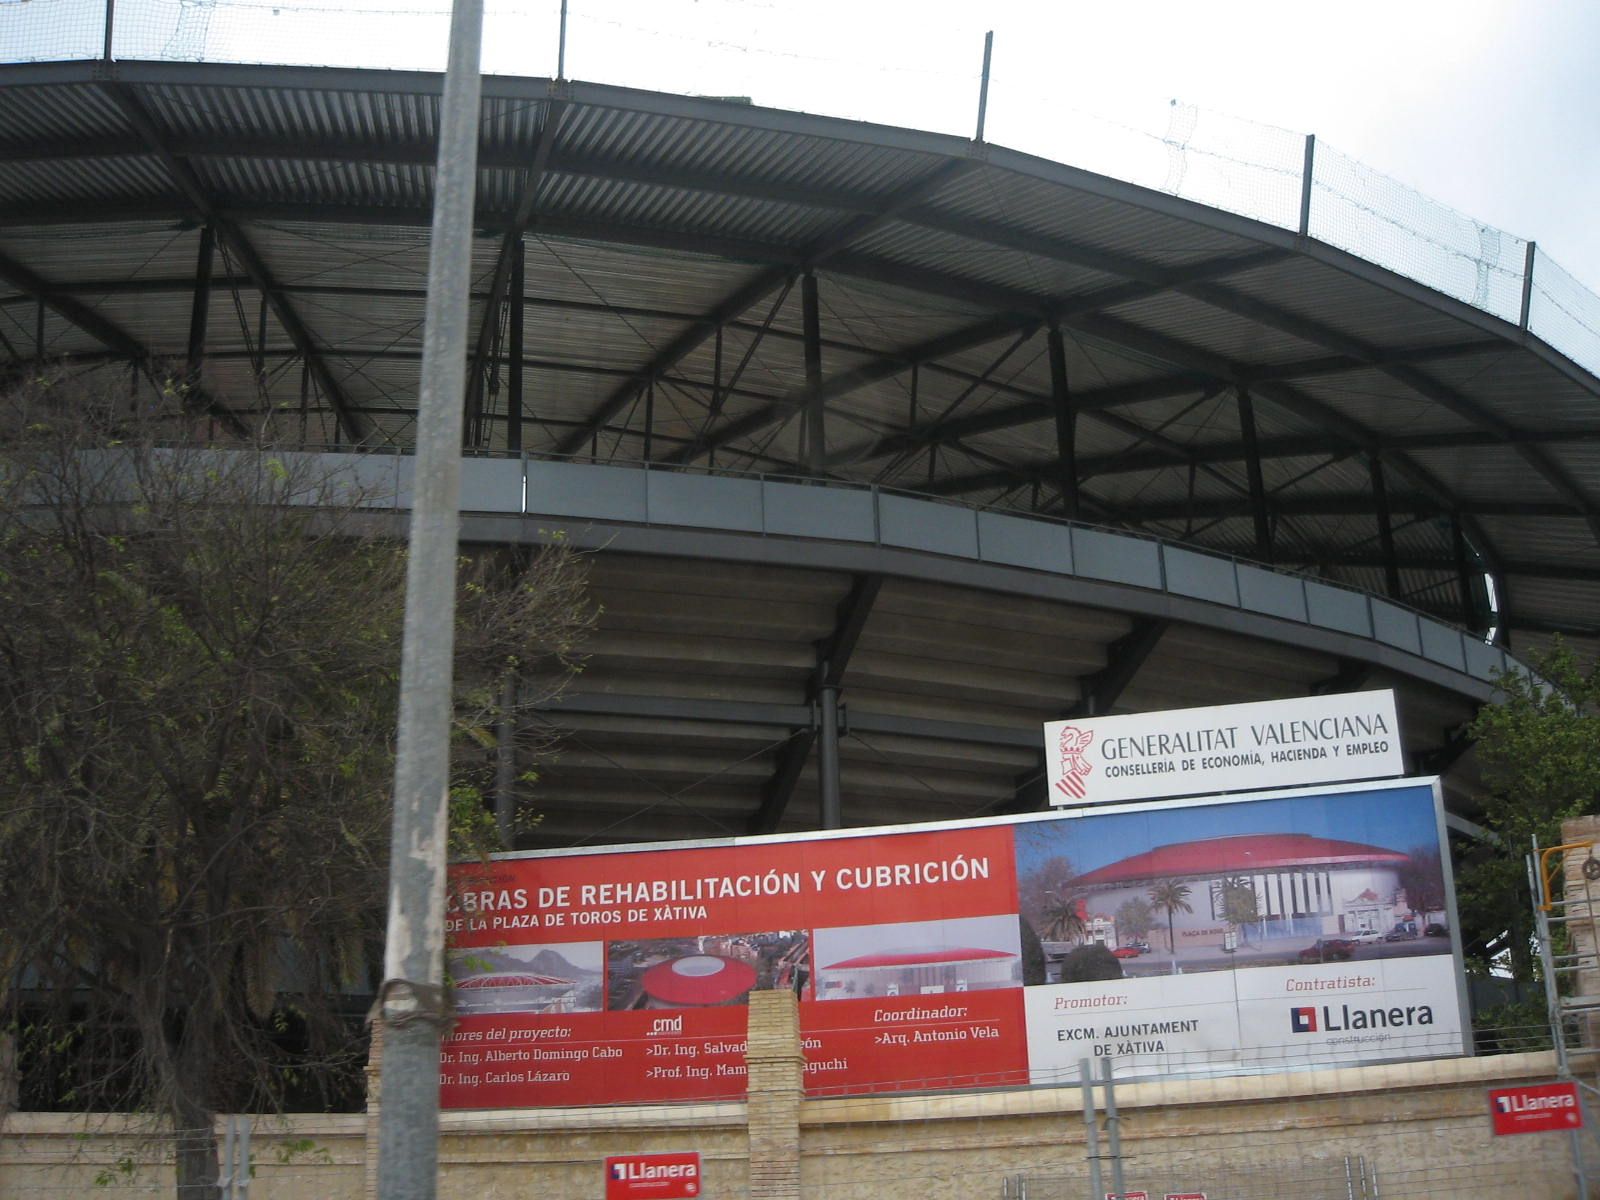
(1228, 748)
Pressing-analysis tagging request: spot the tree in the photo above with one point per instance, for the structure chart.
(1422, 879)
(198, 687)
(1134, 918)
(1237, 903)
(1038, 888)
(1063, 919)
(1539, 750)
(1171, 897)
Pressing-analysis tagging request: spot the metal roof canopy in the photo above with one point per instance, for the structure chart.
(706, 285)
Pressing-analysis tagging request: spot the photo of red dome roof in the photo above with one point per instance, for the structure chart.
(1244, 852)
(539, 978)
(964, 954)
(706, 971)
(1225, 885)
(698, 981)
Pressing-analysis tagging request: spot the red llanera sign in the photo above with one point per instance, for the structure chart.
(1536, 1109)
(653, 1177)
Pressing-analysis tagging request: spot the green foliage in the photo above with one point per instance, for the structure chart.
(1513, 1027)
(1540, 754)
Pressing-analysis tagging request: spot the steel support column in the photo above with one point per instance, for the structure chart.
(1099, 693)
(1066, 425)
(649, 418)
(1380, 496)
(833, 656)
(514, 408)
(828, 808)
(1258, 489)
(815, 452)
(200, 309)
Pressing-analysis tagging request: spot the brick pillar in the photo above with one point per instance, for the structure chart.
(777, 1082)
(374, 1090)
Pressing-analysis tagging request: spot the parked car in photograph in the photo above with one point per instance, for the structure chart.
(1125, 952)
(1404, 932)
(1436, 930)
(1328, 950)
(1364, 937)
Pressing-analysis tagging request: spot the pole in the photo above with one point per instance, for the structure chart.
(1113, 1130)
(1091, 1131)
(561, 45)
(412, 997)
(1307, 175)
(983, 86)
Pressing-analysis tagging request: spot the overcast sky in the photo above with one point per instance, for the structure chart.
(1489, 106)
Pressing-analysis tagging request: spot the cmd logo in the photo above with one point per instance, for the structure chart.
(1303, 1020)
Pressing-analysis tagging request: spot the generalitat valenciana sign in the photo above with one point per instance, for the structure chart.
(653, 1176)
(1536, 1109)
(1228, 748)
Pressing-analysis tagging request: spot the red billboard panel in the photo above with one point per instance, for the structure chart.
(653, 1176)
(1221, 936)
(1539, 1108)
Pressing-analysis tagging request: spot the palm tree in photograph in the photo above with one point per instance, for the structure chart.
(1063, 919)
(1171, 897)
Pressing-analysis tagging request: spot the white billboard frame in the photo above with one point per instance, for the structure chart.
(1261, 744)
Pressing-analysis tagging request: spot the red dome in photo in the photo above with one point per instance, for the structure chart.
(697, 980)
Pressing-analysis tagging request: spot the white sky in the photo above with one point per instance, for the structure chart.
(1489, 106)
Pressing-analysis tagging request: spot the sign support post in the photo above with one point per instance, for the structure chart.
(1091, 1129)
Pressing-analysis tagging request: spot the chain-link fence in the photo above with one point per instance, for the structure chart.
(866, 65)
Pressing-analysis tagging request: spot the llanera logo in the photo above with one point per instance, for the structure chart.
(1075, 768)
(1303, 1020)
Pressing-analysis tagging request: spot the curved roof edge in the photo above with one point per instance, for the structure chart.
(783, 522)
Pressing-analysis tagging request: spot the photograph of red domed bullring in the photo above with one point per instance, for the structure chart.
(1348, 877)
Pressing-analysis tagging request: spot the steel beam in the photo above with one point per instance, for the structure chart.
(200, 310)
(516, 410)
(1066, 426)
(188, 183)
(1380, 497)
(1124, 659)
(509, 258)
(1252, 462)
(832, 658)
(811, 322)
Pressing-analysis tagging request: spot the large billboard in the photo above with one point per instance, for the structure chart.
(1245, 934)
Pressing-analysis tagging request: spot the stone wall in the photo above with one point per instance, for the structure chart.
(1423, 1128)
